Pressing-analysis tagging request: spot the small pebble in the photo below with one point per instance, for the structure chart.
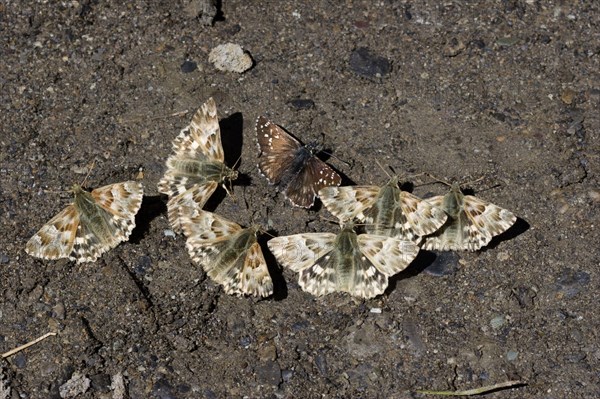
(497, 322)
(512, 355)
(77, 385)
(169, 233)
(571, 282)
(287, 375)
(268, 373)
(188, 66)
(4, 259)
(230, 57)
(375, 310)
(302, 103)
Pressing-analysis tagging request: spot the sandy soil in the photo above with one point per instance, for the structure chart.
(504, 90)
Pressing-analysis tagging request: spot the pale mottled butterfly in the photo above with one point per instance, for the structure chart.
(472, 222)
(229, 254)
(343, 262)
(385, 210)
(292, 167)
(197, 166)
(94, 223)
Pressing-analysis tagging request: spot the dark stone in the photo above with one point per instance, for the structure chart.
(162, 389)
(144, 263)
(100, 382)
(4, 259)
(301, 103)
(268, 373)
(20, 360)
(571, 282)
(364, 63)
(321, 363)
(188, 66)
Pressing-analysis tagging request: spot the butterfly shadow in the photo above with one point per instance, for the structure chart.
(232, 137)
(518, 228)
(152, 206)
(423, 260)
(280, 290)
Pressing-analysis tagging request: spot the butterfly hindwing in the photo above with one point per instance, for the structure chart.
(230, 255)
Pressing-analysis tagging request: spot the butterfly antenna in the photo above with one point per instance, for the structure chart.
(91, 167)
(339, 159)
(437, 180)
(383, 169)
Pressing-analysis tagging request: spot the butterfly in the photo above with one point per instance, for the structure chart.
(344, 262)
(292, 167)
(229, 254)
(197, 165)
(94, 223)
(385, 210)
(472, 222)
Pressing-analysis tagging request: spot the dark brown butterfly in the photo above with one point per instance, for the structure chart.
(291, 166)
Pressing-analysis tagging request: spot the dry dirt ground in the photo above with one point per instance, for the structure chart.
(504, 90)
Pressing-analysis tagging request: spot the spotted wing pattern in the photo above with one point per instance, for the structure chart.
(292, 167)
(93, 224)
(384, 210)
(471, 225)
(327, 263)
(229, 254)
(196, 167)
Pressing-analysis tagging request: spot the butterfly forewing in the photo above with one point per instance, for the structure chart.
(93, 224)
(292, 167)
(277, 149)
(230, 255)
(55, 239)
(202, 137)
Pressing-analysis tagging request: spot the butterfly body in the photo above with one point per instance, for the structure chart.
(343, 262)
(472, 222)
(292, 167)
(197, 166)
(229, 254)
(385, 210)
(94, 223)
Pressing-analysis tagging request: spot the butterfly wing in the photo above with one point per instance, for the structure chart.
(187, 202)
(388, 254)
(423, 217)
(300, 251)
(472, 228)
(230, 255)
(349, 202)
(250, 277)
(485, 220)
(277, 150)
(55, 239)
(202, 137)
(303, 188)
(122, 201)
